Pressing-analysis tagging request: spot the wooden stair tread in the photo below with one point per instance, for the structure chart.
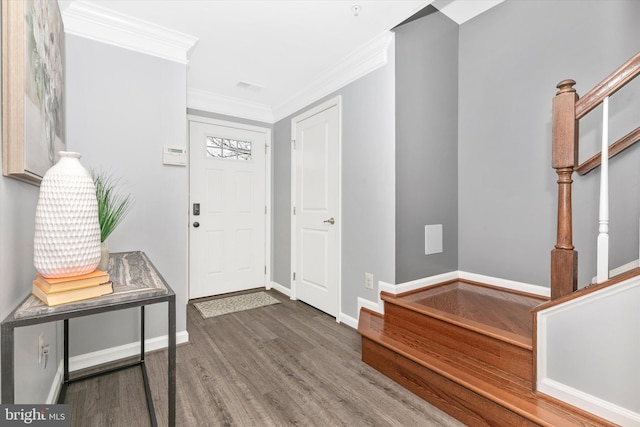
(391, 336)
(486, 309)
(372, 326)
(500, 387)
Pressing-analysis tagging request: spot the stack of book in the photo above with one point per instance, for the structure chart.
(70, 289)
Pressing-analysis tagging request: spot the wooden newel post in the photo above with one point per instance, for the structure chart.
(564, 259)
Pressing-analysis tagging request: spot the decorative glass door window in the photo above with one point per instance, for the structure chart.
(226, 148)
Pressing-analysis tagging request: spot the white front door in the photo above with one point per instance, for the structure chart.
(228, 206)
(316, 205)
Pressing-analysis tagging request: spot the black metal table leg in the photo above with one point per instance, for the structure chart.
(172, 360)
(7, 363)
(145, 377)
(65, 357)
(142, 333)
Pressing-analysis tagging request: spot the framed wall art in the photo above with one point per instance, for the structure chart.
(33, 112)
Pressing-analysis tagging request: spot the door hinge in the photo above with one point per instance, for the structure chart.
(265, 269)
(266, 147)
(294, 275)
(293, 141)
(294, 210)
(265, 209)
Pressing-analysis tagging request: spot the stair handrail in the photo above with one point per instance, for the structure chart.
(568, 109)
(607, 87)
(614, 149)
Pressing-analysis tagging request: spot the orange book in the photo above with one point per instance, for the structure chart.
(72, 295)
(61, 284)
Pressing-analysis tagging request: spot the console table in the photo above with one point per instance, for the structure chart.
(136, 283)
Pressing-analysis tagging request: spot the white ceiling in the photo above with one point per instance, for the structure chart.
(279, 47)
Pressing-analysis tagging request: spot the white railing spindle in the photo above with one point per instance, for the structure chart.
(603, 235)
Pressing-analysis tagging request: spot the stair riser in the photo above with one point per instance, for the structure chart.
(503, 355)
(454, 399)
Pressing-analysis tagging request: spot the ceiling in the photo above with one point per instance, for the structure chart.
(264, 54)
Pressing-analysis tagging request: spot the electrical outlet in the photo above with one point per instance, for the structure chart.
(40, 345)
(45, 355)
(368, 280)
(43, 351)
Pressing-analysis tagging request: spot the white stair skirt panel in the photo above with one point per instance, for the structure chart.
(595, 371)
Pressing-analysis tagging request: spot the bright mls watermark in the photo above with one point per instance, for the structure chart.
(35, 415)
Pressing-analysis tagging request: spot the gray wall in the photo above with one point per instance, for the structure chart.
(17, 220)
(368, 186)
(122, 107)
(281, 232)
(426, 144)
(511, 59)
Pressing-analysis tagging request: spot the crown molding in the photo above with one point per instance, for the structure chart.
(208, 101)
(107, 26)
(363, 61)
(461, 11)
(360, 63)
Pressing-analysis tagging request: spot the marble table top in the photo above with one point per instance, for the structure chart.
(133, 275)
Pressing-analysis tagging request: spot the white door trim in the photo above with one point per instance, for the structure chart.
(337, 102)
(267, 238)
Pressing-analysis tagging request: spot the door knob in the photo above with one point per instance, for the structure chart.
(330, 221)
(196, 224)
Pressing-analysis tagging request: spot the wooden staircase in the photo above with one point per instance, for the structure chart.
(466, 348)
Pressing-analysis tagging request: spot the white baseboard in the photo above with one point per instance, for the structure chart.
(348, 320)
(342, 318)
(282, 289)
(95, 358)
(425, 282)
(107, 355)
(353, 322)
(589, 403)
(56, 385)
(378, 306)
(365, 303)
(507, 284)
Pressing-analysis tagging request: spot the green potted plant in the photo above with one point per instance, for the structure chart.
(112, 208)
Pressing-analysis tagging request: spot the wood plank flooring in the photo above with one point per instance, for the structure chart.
(285, 364)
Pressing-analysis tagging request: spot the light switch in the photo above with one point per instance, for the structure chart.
(432, 239)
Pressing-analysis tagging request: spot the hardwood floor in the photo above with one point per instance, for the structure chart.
(285, 364)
